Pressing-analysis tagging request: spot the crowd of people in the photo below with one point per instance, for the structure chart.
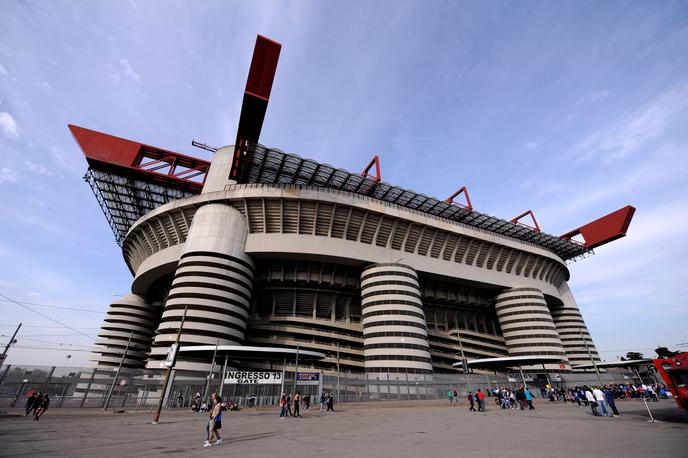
(36, 403)
(600, 399)
(287, 402)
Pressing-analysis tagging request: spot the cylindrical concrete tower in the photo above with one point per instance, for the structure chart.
(395, 338)
(214, 279)
(126, 315)
(527, 324)
(570, 324)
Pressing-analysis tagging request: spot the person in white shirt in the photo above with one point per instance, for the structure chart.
(591, 400)
(602, 401)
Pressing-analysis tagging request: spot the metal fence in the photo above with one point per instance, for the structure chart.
(140, 389)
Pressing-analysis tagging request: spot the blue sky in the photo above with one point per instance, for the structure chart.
(573, 109)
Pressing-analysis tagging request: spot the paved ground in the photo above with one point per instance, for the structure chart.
(380, 430)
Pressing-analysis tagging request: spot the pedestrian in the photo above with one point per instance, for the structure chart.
(450, 395)
(37, 401)
(289, 413)
(322, 402)
(45, 403)
(214, 421)
(307, 402)
(456, 397)
(297, 404)
(470, 400)
(591, 400)
(481, 400)
(529, 399)
(283, 406)
(180, 400)
(30, 400)
(330, 403)
(609, 397)
(601, 400)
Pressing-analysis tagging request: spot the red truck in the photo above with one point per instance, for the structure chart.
(674, 371)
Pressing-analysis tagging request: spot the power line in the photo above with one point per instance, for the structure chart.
(43, 326)
(31, 347)
(50, 342)
(53, 306)
(46, 316)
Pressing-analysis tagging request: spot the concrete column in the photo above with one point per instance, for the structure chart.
(218, 174)
(214, 279)
(570, 323)
(395, 337)
(527, 324)
(130, 313)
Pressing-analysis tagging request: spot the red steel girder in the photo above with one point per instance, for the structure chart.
(140, 161)
(463, 190)
(535, 226)
(256, 97)
(366, 172)
(606, 229)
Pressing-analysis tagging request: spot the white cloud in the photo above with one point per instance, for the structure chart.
(128, 71)
(3, 72)
(530, 146)
(39, 169)
(635, 130)
(7, 175)
(9, 125)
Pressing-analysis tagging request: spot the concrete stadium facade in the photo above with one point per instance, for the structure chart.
(375, 286)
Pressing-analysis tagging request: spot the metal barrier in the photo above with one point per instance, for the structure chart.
(139, 389)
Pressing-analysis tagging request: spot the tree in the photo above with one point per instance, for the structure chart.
(664, 352)
(634, 355)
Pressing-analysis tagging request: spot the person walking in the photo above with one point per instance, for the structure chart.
(307, 402)
(180, 400)
(330, 403)
(214, 421)
(609, 397)
(283, 406)
(322, 402)
(450, 395)
(45, 403)
(591, 400)
(529, 398)
(30, 400)
(289, 413)
(471, 401)
(601, 400)
(481, 400)
(297, 404)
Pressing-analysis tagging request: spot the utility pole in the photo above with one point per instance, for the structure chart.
(9, 344)
(338, 388)
(210, 374)
(464, 362)
(599, 378)
(156, 417)
(119, 368)
(296, 368)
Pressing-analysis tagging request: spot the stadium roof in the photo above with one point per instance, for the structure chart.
(272, 166)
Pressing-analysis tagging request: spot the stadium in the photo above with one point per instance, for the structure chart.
(259, 248)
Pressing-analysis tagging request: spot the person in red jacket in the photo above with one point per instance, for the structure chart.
(481, 400)
(470, 399)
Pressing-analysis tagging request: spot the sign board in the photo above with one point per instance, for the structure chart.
(555, 377)
(308, 378)
(171, 356)
(254, 377)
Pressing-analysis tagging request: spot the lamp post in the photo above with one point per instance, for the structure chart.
(592, 360)
(161, 401)
(119, 368)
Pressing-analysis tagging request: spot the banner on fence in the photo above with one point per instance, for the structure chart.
(256, 377)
